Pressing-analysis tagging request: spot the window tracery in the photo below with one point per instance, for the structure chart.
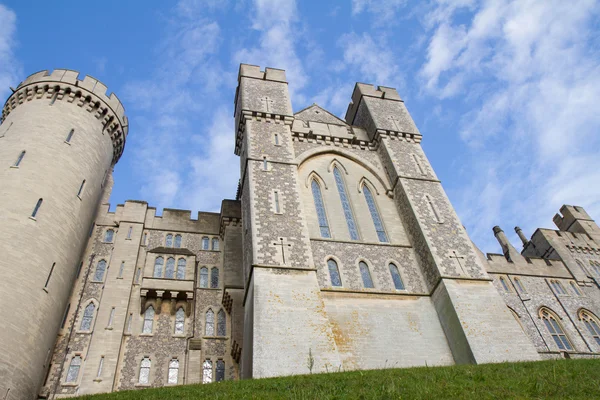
(320, 207)
(341, 187)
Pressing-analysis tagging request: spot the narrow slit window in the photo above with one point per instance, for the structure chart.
(576, 289)
(79, 269)
(80, 192)
(396, 278)
(221, 324)
(181, 268)
(144, 239)
(49, 275)
(366, 275)
(276, 139)
(334, 273)
(320, 207)
(203, 277)
(145, 365)
(433, 210)
(170, 269)
(121, 269)
(556, 331)
(37, 208)
(210, 323)
(173, 371)
(19, 159)
(418, 164)
(111, 317)
(148, 320)
(64, 320)
(265, 164)
(137, 275)
(73, 371)
(375, 215)
(108, 236)
(129, 232)
(128, 329)
(70, 136)
(158, 266)
(276, 200)
(220, 375)
(341, 186)
(100, 365)
(179, 321)
(519, 286)
(504, 285)
(177, 243)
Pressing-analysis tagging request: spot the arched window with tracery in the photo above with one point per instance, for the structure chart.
(204, 277)
(320, 207)
(170, 269)
(555, 329)
(88, 317)
(148, 320)
(73, 371)
(366, 275)
(348, 214)
(100, 270)
(181, 268)
(179, 321)
(381, 235)
(158, 266)
(221, 324)
(210, 323)
(396, 278)
(592, 324)
(334, 273)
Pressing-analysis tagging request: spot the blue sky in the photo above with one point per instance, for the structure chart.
(505, 93)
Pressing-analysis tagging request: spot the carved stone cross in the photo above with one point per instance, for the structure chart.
(283, 244)
(457, 258)
(395, 121)
(268, 102)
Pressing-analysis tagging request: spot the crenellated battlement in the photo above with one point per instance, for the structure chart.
(63, 84)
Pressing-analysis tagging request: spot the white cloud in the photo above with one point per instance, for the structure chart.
(10, 70)
(535, 122)
(383, 9)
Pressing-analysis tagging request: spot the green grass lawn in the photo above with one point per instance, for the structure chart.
(563, 379)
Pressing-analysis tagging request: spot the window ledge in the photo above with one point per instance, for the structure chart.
(142, 385)
(98, 380)
(146, 334)
(67, 143)
(14, 166)
(45, 290)
(179, 336)
(207, 288)
(119, 277)
(70, 384)
(84, 332)
(79, 197)
(109, 328)
(216, 337)
(127, 334)
(33, 218)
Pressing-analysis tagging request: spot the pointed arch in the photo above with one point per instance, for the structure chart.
(591, 322)
(336, 163)
(364, 181)
(314, 175)
(554, 328)
(87, 317)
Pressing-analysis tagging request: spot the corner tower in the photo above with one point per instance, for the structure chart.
(59, 139)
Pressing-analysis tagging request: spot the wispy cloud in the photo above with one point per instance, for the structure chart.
(533, 122)
(383, 9)
(10, 70)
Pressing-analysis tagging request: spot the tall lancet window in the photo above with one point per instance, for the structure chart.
(170, 270)
(148, 320)
(334, 273)
(375, 214)
(398, 284)
(73, 371)
(366, 275)
(158, 266)
(320, 206)
(88, 317)
(181, 268)
(210, 323)
(341, 186)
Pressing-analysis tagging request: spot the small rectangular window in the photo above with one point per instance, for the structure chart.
(121, 269)
(111, 317)
(129, 232)
(276, 198)
(37, 208)
(81, 189)
(137, 275)
(265, 164)
(276, 139)
(70, 136)
(79, 269)
(145, 238)
(100, 365)
(19, 159)
(64, 320)
(129, 323)
(49, 275)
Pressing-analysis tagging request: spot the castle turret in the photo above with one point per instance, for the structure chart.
(59, 139)
(576, 219)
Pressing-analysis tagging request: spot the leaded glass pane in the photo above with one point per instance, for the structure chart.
(88, 316)
(207, 372)
(566, 342)
(179, 321)
(181, 268)
(334, 273)
(100, 269)
(169, 240)
(173, 371)
(210, 323)
(205, 242)
(214, 278)
(595, 326)
(145, 371)
(549, 326)
(558, 342)
(108, 236)
(74, 367)
(320, 207)
(345, 204)
(221, 324)
(148, 320)
(215, 244)
(398, 284)
(203, 277)
(177, 241)
(220, 371)
(158, 265)
(375, 214)
(366, 275)
(170, 270)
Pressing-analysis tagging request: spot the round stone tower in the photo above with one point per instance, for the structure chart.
(59, 138)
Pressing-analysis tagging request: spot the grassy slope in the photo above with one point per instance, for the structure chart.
(564, 379)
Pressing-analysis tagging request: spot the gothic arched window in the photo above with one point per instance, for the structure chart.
(398, 284)
(580, 264)
(148, 320)
(179, 321)
(341, 186)
(365, 274)
(108, 236)
(504, 285)
(170, 269)
(215, 243)
(555, 330)
(207, 371)
(214, 278)
(177, 241)
(221, 324)
(173, 376)
(220, 376)
(145, 370)
(320, 207)
(169, 240)
(158, 265)
(100, 270)
(88, 317)
(592, 324)
(558, 287)
(205, 243)
(73, 371)
(334, 273)
(375, 214)
(519, 286)
(203, 277)
(576, 289)
(181, 268)
(210, 323)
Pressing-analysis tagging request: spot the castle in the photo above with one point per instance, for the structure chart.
(341, 248)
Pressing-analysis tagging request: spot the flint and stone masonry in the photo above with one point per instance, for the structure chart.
(341, 246)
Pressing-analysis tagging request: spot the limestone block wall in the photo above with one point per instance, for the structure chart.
(68, 171)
